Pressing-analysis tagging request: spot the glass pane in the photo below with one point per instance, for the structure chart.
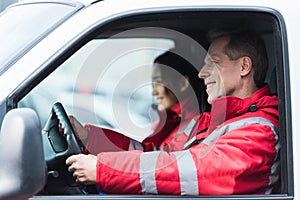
(110, 87)
(22, 25)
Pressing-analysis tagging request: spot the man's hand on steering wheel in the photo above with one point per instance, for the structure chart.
(83, 168)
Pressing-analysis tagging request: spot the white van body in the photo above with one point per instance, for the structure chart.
(97, 13)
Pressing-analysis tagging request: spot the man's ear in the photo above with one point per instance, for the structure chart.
(246, 66)
(184, 83)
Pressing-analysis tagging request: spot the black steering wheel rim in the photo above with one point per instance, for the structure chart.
(58, 146)
(74, 143)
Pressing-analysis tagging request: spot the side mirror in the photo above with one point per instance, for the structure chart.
(23, 166)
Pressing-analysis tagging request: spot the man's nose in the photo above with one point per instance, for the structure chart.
(203, 72)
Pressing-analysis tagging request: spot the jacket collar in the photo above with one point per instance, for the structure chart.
(236, 106)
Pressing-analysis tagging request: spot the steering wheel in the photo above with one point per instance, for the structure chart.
(57, 148)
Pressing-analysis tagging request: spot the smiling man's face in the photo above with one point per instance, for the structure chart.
(221, 75)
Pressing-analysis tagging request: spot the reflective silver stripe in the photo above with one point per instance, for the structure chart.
(238, 124)
(187, 129)
(274, 176)
(276, 164)
(147, 172)
(135, 145)
(187, 173)
(189, 142)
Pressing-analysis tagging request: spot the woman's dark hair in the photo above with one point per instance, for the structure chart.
(185, 68)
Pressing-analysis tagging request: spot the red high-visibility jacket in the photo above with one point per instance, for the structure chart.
(232, 150)
(104, 140)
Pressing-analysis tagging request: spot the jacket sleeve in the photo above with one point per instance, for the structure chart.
(162, 130)
(238, 162)
(106, 140)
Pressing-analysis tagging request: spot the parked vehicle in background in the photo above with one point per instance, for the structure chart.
(95, 57)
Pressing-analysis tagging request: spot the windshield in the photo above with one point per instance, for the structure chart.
(23, 25)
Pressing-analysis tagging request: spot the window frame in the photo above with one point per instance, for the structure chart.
(283, 89)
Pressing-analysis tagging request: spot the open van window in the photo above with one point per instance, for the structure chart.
(108, 69)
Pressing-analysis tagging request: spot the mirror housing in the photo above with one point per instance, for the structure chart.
(23, 168)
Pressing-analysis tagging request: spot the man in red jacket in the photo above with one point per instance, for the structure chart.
(233, 149)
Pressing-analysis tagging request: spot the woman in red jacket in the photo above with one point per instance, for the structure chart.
(178, 92)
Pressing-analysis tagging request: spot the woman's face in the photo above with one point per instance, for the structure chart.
(162, 89)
